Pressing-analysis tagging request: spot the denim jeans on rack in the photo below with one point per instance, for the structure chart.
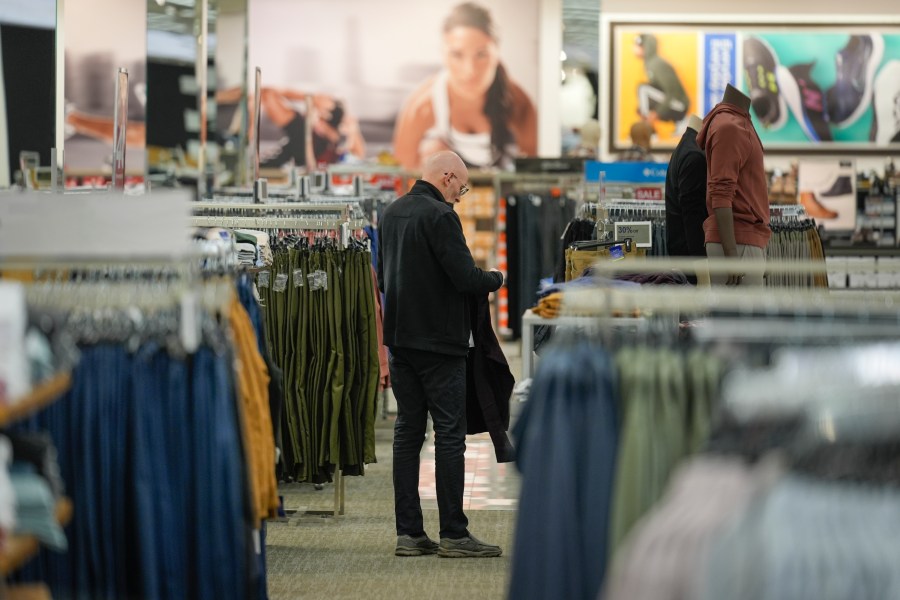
(566, 441)
(218, 532)
(150, 451)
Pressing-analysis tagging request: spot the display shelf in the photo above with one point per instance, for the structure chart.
(19, 549)
(38, 398)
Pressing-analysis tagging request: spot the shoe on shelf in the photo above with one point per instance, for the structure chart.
(790, 188)
(415, 546)
(842, 186)
(856, 63)
(467, 547)
(886, 104)
(760, 64)
(806, 100)
(814, 209)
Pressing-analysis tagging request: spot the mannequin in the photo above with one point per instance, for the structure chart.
(686, 196)
(695, 122)
(737, 193)
(735, 96)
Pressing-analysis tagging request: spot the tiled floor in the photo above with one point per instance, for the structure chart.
(489, 485)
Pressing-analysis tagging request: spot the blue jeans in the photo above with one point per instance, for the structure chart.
(425, 382)
(150, 450)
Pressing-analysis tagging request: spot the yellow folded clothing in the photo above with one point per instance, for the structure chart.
(549, 306)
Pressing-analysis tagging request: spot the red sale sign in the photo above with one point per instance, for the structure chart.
(648, 193)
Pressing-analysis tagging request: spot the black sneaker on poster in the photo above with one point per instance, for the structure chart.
(886, 105)
(760, 64)
(855, 64)
(806, 100)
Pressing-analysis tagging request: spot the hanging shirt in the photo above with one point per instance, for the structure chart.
(253, 392)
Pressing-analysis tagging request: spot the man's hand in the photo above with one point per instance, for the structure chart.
(734, 278)
(502, 277)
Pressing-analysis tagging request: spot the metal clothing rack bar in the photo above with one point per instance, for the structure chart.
(530, 320)
(337, 510)
(307, 223)
(331, 204)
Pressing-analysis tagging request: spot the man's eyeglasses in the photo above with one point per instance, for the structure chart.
(464, 189)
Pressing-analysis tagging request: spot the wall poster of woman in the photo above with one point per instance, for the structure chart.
(427, 76)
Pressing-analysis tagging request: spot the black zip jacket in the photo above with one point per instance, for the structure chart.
(425, 271)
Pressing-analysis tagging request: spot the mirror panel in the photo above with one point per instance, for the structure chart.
(94, 52)
(27, 85)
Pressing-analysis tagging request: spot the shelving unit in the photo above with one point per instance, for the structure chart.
(19, 549)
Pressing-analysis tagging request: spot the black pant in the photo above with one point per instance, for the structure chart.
(426, 382)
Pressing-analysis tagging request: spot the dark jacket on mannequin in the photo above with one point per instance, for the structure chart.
(686, 198)
(426, 272)
(489, 382)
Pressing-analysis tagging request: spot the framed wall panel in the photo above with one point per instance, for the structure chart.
(816, 87)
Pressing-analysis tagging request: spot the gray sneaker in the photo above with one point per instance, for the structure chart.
(418, 546)
(467, 547)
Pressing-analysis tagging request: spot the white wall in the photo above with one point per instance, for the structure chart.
(231, 31)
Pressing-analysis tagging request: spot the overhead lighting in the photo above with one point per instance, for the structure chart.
(563, 73)
(161, 2)
(562, 53)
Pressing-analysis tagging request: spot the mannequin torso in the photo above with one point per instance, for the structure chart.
(734, 96)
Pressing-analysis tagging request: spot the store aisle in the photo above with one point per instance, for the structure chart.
(353, 556)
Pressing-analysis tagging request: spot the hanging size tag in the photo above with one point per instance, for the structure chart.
(190, 322)
(262, 280)
(280, 283)
(298, 278)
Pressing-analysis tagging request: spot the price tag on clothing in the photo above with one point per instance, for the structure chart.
(280, 283)
(616, 252)
(262, 279)
(318, 280)
(298, 278)
(641, 232)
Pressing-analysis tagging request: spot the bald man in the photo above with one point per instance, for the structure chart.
(426, 272)
(641, 134)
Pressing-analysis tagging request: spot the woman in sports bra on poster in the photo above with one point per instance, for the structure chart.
(471, 107)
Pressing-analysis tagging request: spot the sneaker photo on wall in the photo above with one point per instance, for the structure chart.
(835, 86)
(813, 86)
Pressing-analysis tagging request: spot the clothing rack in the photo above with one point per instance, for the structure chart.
(787, 210)
(350, 216)
(342, 214)
(602, 301)
(104, 311)
(775, 318)
(288, 223)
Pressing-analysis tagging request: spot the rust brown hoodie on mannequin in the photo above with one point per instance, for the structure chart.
(735, 175)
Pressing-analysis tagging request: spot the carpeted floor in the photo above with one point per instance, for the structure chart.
(352, 556)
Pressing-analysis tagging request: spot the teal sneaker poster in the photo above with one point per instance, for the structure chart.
(830, 88)
(813, 87)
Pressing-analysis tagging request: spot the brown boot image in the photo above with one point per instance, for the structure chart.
(814, 209)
